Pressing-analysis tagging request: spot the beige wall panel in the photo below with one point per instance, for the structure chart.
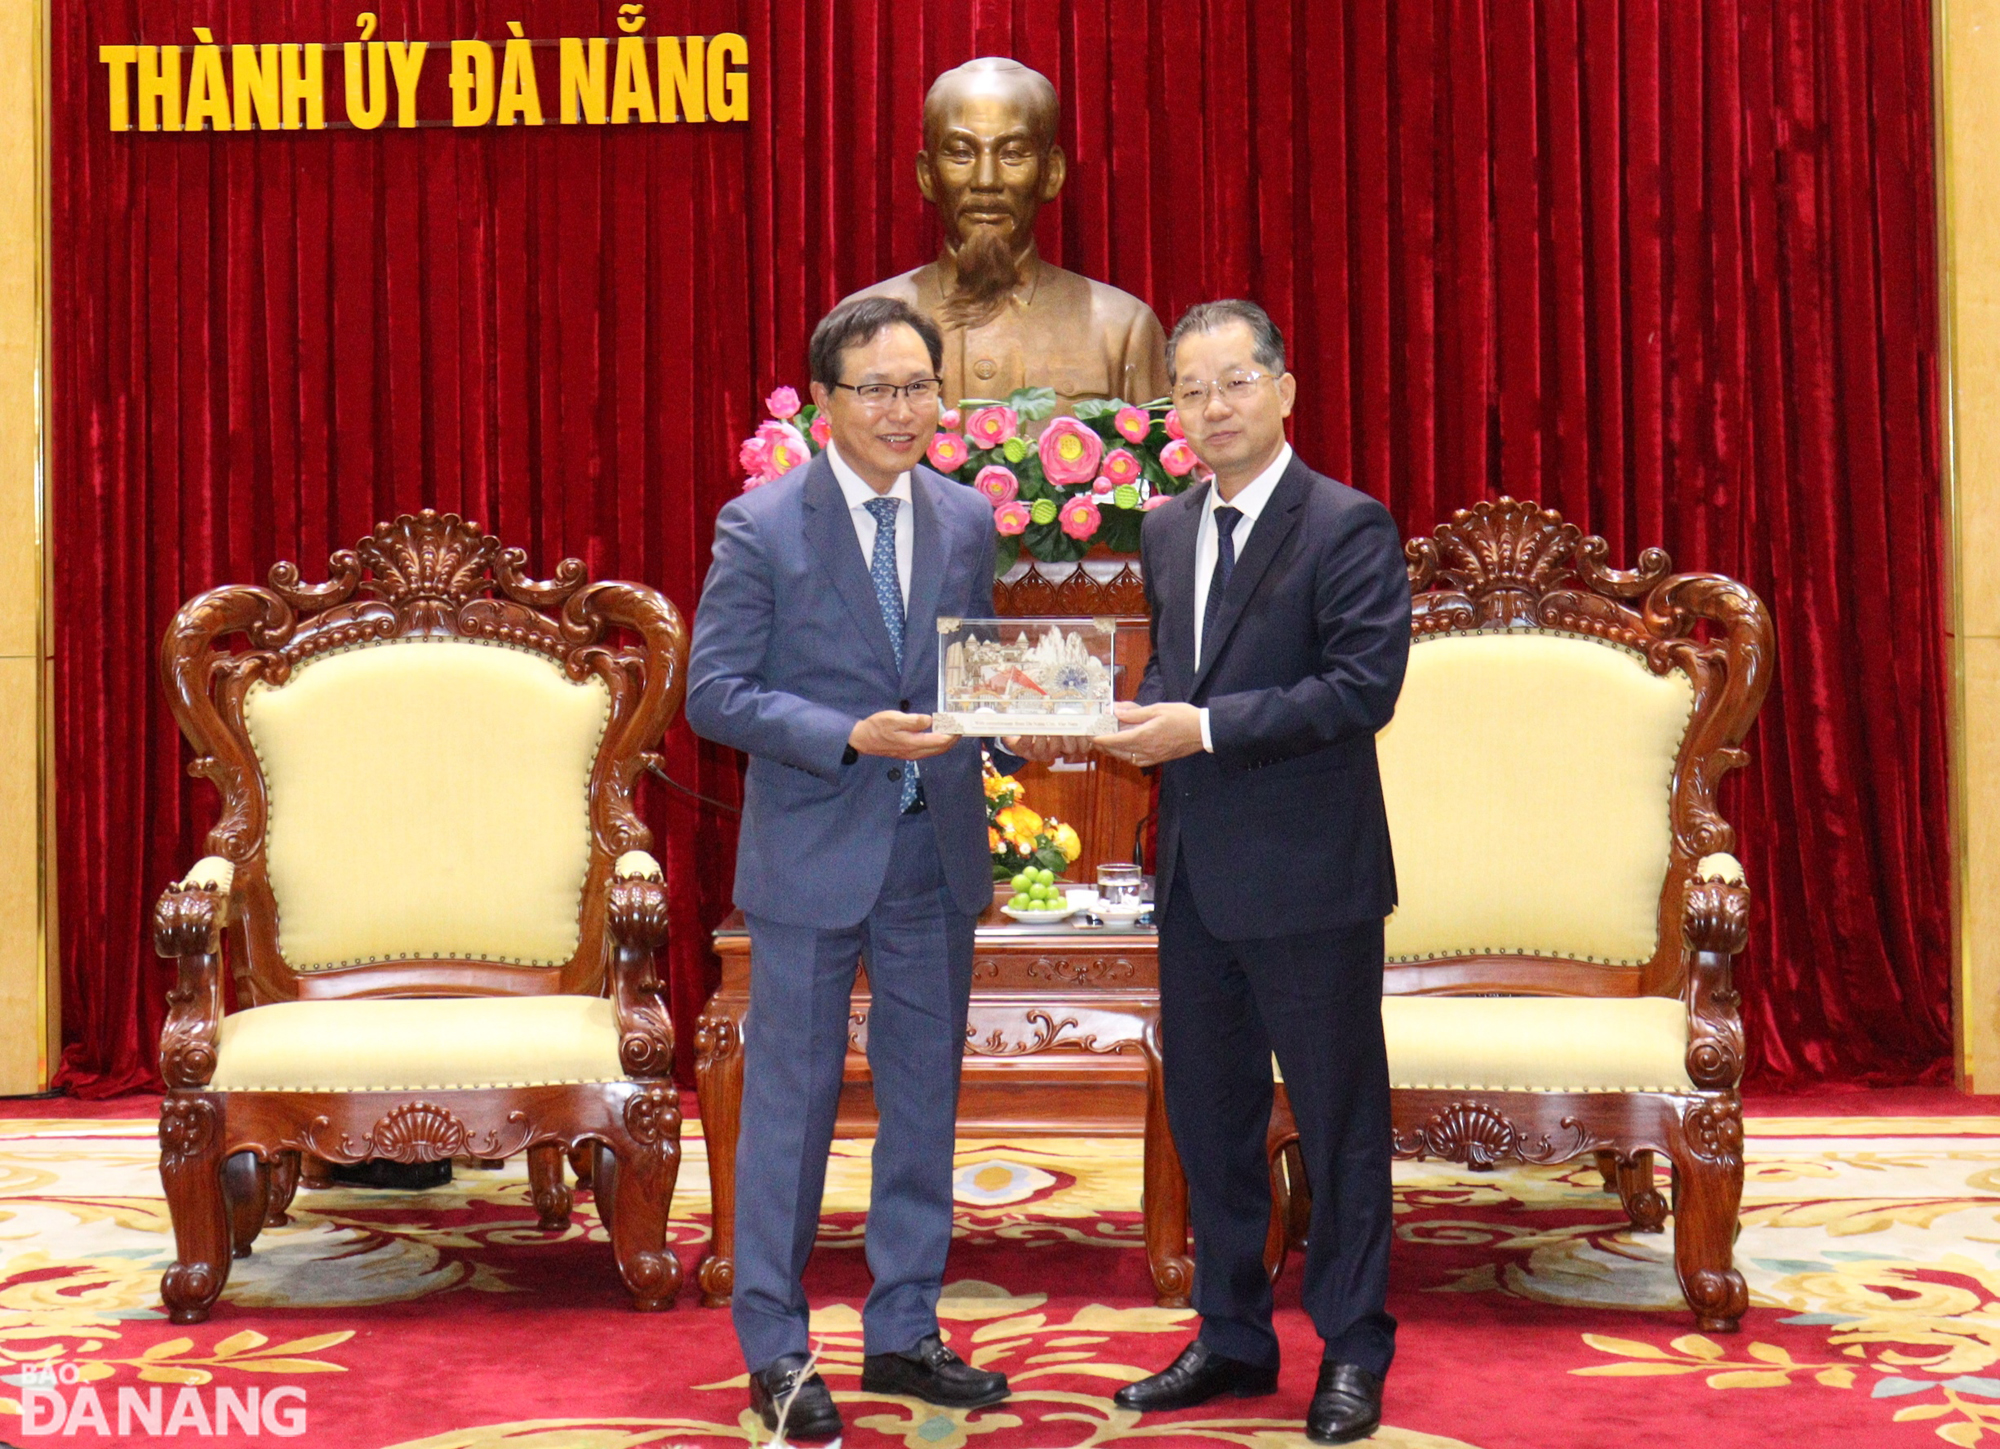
(20, 234)
(1980, 919)
(21, 1035)
(1972, 252)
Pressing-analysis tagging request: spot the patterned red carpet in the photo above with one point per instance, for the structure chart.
(1532, 1317)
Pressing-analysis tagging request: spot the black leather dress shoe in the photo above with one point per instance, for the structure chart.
(1347, 1405)
(933, 1373)
(1194, 1378)
(812, 1416)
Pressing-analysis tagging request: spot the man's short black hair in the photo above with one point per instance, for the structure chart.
(1268, 343)
(858, 322)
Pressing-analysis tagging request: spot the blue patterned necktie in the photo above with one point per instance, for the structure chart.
(889, 594)
(1226, 520)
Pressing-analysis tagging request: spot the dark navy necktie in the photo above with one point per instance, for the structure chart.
(1226, 520)
(889, 594)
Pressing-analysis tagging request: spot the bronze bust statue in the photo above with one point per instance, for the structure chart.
(1010, 319)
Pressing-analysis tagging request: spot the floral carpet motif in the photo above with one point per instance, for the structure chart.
(1532, 1315)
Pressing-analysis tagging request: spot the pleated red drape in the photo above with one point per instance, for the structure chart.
(1666, 265)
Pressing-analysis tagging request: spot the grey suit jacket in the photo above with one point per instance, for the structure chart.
(790, 650)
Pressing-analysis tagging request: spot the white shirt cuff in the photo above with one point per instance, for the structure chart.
(1207, 740)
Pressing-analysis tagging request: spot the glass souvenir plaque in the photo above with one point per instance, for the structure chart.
(1025, 676)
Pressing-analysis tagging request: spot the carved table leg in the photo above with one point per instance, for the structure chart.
(718, 1046)
(1276, 1238)
(582, 1158)
(1299, 1193)
(284, 1184)
(1291, 1200)
(191, 1172)
(1607, 1168)
(1165, 1204)
(247, 1184)
(1643, 1203)
(1708, 1190)
(545, 1181)
(314, 1172)
(644, 1164)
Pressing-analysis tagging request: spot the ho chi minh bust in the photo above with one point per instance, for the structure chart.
(1010, 319)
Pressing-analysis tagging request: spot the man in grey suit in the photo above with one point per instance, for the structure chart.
(863, 836)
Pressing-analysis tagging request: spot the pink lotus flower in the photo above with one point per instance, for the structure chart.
(1158, 500)
(1080, 518)
(998, 484)
(948, 452)
(1103, 483)
(1174, 428)
(1178, 458)
(1070, 452)
(948, 419)
(1011, 518)
(989, 427)
(822, 430)
(1133, 424)
(784, 404)
(1121, 467)
(785, 446)
(754, 457)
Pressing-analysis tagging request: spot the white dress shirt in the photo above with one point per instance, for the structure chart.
(1207, 545)
(858, 495)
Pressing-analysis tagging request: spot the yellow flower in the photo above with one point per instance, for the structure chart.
(997, 785)
(992, 840)
(1067, 842)
(1018, 820)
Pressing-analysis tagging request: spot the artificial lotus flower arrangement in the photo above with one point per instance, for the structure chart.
(1083, 481)
(1018, 837)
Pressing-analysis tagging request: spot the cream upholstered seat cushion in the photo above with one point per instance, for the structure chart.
(418, 1044)
(1538, 1043)
(428, 798)
(1528, 776)
(1535, 1043)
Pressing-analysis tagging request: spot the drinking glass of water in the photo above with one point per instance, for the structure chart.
(1118, 886)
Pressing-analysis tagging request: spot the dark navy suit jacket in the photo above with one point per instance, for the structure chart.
(1282, 828)
(790, 650)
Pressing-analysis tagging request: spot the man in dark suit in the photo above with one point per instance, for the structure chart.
(1281, 625)
(863, 835)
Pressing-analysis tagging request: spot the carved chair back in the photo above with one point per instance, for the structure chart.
(1551, 770)
(426, 763)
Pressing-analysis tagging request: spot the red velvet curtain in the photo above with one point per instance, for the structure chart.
(1667, 265)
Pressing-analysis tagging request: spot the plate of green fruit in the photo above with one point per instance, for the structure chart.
(1038, 898)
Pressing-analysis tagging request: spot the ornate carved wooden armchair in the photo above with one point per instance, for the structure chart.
(1558, 979)
(428, 872)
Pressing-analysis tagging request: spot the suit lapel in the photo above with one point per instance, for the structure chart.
(837, 552)
(929, 553)
(1274, 525)
(1177, 609)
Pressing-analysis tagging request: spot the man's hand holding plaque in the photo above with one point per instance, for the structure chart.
(1044, 748)
(897, 736)
(1152, 734)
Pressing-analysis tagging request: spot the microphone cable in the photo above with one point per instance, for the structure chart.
(724, 806)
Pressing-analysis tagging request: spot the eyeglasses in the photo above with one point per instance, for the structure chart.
(881, 394)
(1235, 388)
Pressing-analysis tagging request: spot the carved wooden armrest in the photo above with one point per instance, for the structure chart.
(639, 928)
(1715, 922)
(187, 926)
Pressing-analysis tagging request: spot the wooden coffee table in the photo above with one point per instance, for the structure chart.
(1062, 1039)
